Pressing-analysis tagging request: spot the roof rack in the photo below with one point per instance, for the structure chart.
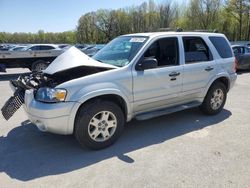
(179, 29)
(207, 31)
(165, 29)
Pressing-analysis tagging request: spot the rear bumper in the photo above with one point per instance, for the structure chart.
(49, 117)
(233, 78)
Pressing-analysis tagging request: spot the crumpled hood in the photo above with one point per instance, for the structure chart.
(73, 58)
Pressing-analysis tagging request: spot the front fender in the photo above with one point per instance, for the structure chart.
(88, 93)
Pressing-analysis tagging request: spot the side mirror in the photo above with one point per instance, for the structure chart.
(148, 63)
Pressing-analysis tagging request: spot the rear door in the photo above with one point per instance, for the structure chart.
(199, 67)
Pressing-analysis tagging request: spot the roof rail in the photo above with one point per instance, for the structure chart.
(165, 29)
(179, 29)
(207, 31)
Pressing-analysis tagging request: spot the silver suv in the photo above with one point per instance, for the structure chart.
(138, 76)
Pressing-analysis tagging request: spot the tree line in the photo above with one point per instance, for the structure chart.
(68, 37)
(231, 17)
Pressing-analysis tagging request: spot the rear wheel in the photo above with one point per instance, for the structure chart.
(215, 99)
(99, 124)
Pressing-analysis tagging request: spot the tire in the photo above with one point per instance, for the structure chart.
(39, 66)
(98, 124)
(215, 99)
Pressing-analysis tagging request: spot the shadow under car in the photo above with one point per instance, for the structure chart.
(26, 153)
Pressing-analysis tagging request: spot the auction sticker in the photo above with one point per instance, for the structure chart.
(137, 39)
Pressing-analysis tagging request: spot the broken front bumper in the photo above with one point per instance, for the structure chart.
(49, 117)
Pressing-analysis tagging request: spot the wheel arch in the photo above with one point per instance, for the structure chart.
(117, 99)
(225, 80)
(114, 97)
(220, 78)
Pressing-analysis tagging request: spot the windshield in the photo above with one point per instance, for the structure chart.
(120, 51)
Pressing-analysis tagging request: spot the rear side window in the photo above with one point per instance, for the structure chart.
(196, 50)
(221, 46)
(35, 48)
(46, 48)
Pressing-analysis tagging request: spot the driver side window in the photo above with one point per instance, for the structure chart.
(165, 51)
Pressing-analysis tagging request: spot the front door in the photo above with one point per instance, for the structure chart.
(158, 87)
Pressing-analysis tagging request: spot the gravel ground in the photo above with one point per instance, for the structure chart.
(184, 149)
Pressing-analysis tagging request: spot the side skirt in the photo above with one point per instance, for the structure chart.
(157, 113)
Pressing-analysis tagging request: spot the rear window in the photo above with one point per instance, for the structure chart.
(221, 46)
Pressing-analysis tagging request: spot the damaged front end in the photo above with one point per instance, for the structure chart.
(24, 82)
(70, 65)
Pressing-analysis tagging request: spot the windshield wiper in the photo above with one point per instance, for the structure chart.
(99, 60)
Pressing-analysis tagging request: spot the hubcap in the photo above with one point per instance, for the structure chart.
(40, 67)
(102, 126)
(217, 99)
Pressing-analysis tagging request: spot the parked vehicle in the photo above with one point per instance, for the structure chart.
(63, 46)
(80, 46)
(242, 55)
(35, 57)
(5, 47)
(17, 48)
(138, 76)
(92, 50)
(38, 47)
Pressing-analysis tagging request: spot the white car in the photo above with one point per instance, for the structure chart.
(36, 57)
(17, 48)
(37, 47)
(138, 76)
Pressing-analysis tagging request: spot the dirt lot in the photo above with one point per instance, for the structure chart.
(184, 149)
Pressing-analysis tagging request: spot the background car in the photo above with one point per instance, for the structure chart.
(17, 48)
(64, 46)
(5, 47)
(80, 46)
(36, 47)
(242, 54)
(93, 49)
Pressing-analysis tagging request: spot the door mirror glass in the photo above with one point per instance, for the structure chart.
(147, 63)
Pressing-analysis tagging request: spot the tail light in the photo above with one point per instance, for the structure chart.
(235, 64)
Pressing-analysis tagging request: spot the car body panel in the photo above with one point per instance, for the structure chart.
(142, 91)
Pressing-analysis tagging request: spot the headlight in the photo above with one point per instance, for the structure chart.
(50, 95)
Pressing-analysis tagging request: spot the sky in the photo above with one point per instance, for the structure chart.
(51, 15)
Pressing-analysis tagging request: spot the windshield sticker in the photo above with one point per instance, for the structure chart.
(138, 39)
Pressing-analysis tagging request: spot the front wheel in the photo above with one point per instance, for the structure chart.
(99, 124)
(215, 99)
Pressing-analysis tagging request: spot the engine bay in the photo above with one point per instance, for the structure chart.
(36, 80)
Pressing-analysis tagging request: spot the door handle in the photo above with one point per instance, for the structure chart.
(209, 68)
(174, 74)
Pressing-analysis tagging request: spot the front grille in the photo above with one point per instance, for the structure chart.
(13, 104)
